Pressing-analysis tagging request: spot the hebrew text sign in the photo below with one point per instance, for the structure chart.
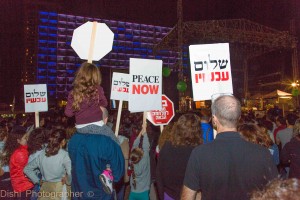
(35, 98)
(120, 86)
(210, 70)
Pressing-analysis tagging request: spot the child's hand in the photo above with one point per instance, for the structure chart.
(144, 127)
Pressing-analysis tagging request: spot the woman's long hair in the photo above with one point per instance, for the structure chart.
(87, 79)
(296, 129)
(187, 131)
(136, 156)
(37, 139)
(165, 135)
(257, 134)
(11, 144)
(56, 137)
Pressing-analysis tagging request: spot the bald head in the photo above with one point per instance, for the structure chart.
(228, 110)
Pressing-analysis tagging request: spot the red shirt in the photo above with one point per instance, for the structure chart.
(17, 163)
(89, 110)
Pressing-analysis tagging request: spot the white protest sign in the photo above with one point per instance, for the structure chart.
(120, 86)
(119, 91)
(35, 98)
(210, 70)
(92, 41)
(145, 85)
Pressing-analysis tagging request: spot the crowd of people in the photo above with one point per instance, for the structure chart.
(212, 153)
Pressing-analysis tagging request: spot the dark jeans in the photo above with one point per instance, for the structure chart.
(26, 195)
(5, 184)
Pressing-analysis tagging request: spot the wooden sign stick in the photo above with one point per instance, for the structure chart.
(37, 119)
(119, 117)
(161, 128)
(92, 43)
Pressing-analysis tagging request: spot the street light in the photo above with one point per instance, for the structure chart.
(295, 84)
(295, 91)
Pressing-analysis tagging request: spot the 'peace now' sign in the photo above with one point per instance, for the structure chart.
(145, 85)
(210, 70)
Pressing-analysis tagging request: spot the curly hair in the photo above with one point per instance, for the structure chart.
(12, 144)
(296, 128)
(136, 156)
(87, 79)
(279, 189)
(165, 135)
(187, 131)
(56, 137)
(256, 134)
(36, 140)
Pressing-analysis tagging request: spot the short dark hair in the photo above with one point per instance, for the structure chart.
(291, 118)
(205, 114)
(281, 120)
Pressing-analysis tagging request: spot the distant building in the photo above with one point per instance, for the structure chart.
(47, 57)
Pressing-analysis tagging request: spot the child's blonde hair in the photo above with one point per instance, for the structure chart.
(87, 78)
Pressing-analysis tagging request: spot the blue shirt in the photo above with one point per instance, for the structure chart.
(89, 154)
(207, 132)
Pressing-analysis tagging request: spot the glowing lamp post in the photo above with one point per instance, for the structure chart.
(295, 91)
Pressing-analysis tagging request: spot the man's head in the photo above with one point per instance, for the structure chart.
(205, 115)
(226, 111)
(291, 119)
(280, 120)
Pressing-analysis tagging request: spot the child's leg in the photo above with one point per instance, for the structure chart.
(139, 196)
(106, 179)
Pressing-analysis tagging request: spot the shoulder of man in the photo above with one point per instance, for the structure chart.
(109, 132)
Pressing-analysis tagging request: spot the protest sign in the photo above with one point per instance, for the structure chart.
(36, 100)
(210, 70)
(145, 85)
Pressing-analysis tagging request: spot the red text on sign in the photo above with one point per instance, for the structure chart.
(145, 89)
(34, 100)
